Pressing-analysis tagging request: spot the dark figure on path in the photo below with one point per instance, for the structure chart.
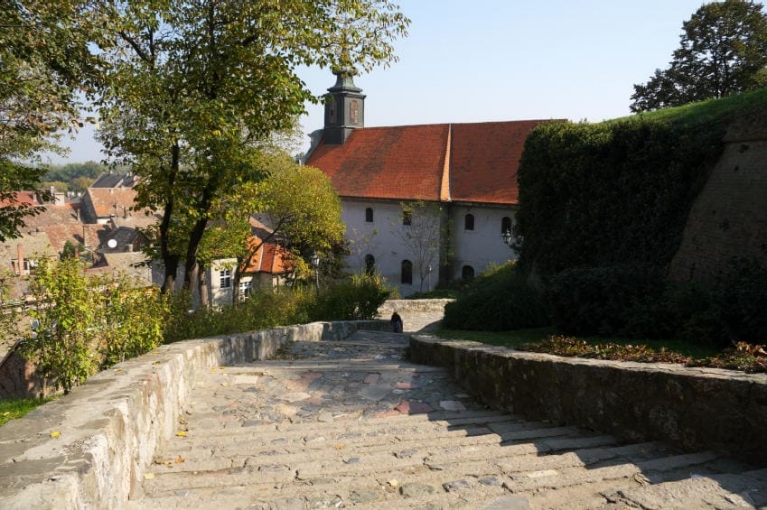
(396, 322)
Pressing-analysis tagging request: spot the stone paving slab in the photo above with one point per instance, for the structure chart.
(352, 424)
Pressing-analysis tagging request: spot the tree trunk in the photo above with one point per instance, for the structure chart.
(170, 261)
(202, 285)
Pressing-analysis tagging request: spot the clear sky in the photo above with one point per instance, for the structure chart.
(487, 60)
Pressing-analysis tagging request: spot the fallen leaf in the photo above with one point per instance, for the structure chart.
(55, 434)
(340, 446)
(148, 476)
(179, 460)
(181, 433)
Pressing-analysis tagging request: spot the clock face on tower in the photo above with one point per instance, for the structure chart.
(354, 112)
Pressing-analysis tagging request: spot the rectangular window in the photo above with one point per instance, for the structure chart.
(225, 279)
(245, 288)
(407, 218)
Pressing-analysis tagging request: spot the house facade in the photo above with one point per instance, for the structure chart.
(395, 182)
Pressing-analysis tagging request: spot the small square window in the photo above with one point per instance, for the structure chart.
(225, 279)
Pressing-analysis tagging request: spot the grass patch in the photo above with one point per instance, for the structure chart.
(16, 408)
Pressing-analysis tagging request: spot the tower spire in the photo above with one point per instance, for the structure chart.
(344, 107)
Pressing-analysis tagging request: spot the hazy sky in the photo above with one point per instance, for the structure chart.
(483, 60)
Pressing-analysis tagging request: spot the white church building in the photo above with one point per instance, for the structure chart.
(422, 204)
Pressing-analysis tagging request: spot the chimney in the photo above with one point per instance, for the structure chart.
(20, 268)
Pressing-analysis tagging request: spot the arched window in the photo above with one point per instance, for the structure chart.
(407, 272)
(369, 215)
(505, 224)
(370, 264)
(467, 273)
(468, 222)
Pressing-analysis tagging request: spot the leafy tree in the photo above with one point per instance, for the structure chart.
(195, 87)
(72, 171)
(723, 51)
(298, 204)
(45, 61)
(422, 236)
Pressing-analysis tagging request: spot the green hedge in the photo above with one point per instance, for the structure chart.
(612, 193)
(498, 300)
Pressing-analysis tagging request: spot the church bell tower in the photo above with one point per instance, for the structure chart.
(344, 108)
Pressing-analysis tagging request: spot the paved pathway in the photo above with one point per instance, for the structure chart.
(351, 424)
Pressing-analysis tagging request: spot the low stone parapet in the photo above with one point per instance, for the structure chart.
(90, 448)
(695, 408)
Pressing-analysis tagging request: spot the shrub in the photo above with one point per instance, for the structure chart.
(498, 300)
(601, 300)
(356, 299)
(741, 297)
(264, 308)
(86, 322)
(133, 320)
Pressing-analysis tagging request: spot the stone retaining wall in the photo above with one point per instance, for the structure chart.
(88, 449)
(695, 408)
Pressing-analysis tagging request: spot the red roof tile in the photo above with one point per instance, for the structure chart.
(484, 160)
(21, 197)
(270, 257)
(408, 162)
(403, 162)
(117, 201)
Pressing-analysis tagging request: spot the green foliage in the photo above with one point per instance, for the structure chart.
(66, 310)
(635, 303)
(497, 300)
(723, 51)
(46, 60)
(71, 171)
(133, 320)
(356, 299)
(265, 308)
(197, 89)
(594, 300)
(86, 322)
(611, 193)
(740, 295)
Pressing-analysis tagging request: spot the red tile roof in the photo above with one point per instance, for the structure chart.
(403, 162)
(450, 162)
(117, 201)
(270, 257)
(21, 197)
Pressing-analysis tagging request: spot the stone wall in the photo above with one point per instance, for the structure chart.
(695, 408)
(729, 215)
(88, 449)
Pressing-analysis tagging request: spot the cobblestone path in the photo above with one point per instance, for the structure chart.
(353, 425)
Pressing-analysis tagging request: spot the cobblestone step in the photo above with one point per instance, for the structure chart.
(351, 424)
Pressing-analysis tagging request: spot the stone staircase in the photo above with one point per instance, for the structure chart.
(352, 425)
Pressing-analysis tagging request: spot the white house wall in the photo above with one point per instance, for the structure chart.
(482, 247)
(479, 248)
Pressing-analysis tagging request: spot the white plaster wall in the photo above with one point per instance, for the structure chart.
(219, 296)
(380, 240)
(482, 247)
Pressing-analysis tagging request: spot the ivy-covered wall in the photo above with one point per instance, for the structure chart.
(620, 192)
(601, 194)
